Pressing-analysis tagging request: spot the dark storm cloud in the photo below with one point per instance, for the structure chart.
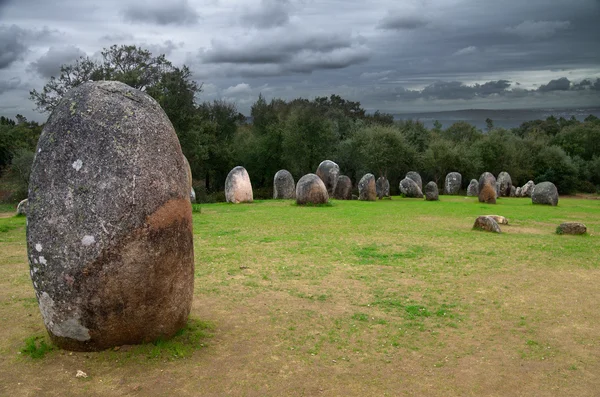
(562, 84)
(458, 90)
(402, 22)
(587, 84)
(49, 64)
(162, 13)
(12, 45)
(8, 85)
(269, 14)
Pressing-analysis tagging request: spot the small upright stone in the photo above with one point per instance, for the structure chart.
(513, 191)
(284, 186)
(109, 234)
(527, 189)
(545, 193)
(22, 207)
(452, 183)
(415, 177)
(518, 192)
(382, 187)
(310, 189)
(410, 189)
(238, 188)
(431, 192)
(473, 189)
(343, 188)
(571, 228)
(328, 171)
(486, 223)
(366, 188)
(487, 188)
(505, 184)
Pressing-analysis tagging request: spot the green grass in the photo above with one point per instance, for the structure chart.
(36, 347)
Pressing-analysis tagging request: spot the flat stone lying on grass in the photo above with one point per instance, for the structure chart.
(431, 191)
(310, 189)
(452, 183)
(410, 189)
(109, 234)
(382, 187)
(487, 224)
(414, 175)
(545, 193)
(571, 228)
(22, 207)
(284, 186)
(473, 189)
(366, 188)
(238, 188)
(343, 188)
(328, 171)
(499, 219)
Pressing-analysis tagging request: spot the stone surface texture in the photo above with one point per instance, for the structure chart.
(487, 224)
(487, 188)
(328, 171)
(382, 187)
(431, 192)
(545, 193)
(238, 188)
(414, 175)
(343, 188)
(473, 188)
(410, 189)
(310, 189)
(571, 228)
(284, 186)
(366, 188)
(452, 183)
(109, 234)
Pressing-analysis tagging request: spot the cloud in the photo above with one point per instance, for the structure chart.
(241, 88)
(162, 13)
(562, 84)
(12, 47)
(49, 64)
(466, 51)
(269, 14)
(376, 75)
(538, 29)
(8, 85)
(402, 22)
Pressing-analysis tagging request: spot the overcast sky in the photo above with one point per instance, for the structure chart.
(392, 55)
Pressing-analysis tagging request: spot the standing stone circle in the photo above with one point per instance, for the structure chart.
(238, 188)
(473, 189)
(410, 189)
(328, 171)
(486, 223)
(452, 183)
(310, 189)
(109, 234)
(382, 187)
(284, 186)
(505, 184)
(22, 207)
(545, 193)
(571, 228)
(415, 177)
(431, 191)
(487, 188)
(366, 188)
(343, 188)
(527, 189)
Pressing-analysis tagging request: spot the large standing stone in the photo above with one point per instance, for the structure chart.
(238, 188)
(486, 223)
(473, 189)
(382, 187)
(328, 171)
(431, 192)
(343, 188)
(22, 207)
(409, 188)
(415, 177)
(453, 183)
(284, 186)
(504, 184)
(109, 234)
(571, 228)
(311, 190)
(527, 189)
(545, 193)
(366, 188)
(487, 188)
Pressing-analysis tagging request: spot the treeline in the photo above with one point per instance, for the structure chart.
(297, 135)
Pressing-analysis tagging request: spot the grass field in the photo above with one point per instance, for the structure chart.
(394, 297)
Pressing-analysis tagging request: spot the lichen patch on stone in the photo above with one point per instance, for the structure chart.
(43, 260)
(77, 164)
(38, 247)
(88, 240)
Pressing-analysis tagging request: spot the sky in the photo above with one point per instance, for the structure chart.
(395, 56)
